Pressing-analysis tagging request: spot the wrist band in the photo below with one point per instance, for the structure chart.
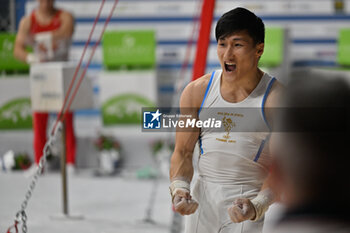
(262, 202)
(32, 58)
(176, 184)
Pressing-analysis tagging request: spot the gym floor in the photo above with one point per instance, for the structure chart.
(115, 204)
(107, 204)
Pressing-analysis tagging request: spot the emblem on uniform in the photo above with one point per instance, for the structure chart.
(228, 124)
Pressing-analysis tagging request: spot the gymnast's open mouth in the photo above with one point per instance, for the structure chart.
(230, 67)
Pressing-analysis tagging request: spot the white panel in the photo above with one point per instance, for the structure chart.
(187, 8)
(278, 7)
(8, 85)
(316, 29)
(49, 83)
(127, 9)
(164, 31)
(347, 6)
(115, 83)
(77, 51)
(314, 52)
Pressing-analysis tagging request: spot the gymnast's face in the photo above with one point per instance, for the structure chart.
(238, 55)
(46, 5)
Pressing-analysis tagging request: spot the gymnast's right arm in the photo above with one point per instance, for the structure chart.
(22, 39)
(181, 168)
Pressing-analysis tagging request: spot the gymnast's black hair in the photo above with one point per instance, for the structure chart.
(240, 19)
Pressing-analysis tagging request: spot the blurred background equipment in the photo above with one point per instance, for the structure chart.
(109, 155)
(7, 16)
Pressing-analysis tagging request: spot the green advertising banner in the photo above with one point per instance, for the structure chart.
(344, 47)
(124, 109)
(130, 49)
(16, 114)
(8, 62)
(273, 51)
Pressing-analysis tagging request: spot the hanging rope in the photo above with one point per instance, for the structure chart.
(180, 82)
(59, 116)
(189, 46)
(21, 217)
(90, 58)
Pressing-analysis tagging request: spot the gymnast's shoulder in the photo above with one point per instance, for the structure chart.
(275, 94)
(193, 93)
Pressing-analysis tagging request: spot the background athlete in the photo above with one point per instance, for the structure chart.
(232, 165)
(49, 31)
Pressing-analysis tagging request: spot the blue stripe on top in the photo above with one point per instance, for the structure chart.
(205, 96)
(206, 91)
(257, 156)
(200, 144)
(262, 145)
(264, 100)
